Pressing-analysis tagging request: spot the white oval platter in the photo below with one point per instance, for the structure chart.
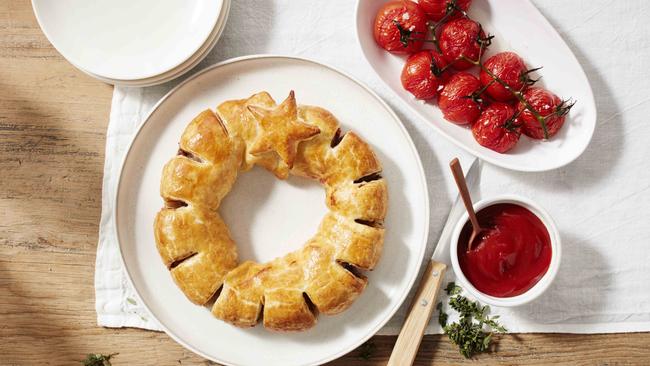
(518, 26)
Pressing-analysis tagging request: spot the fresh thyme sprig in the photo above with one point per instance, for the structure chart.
(469, 333)
(98, 359)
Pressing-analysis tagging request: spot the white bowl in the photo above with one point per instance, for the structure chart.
(541, 285)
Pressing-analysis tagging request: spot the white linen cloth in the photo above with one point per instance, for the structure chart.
(601, 201)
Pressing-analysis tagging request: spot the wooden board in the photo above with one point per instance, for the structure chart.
(52, 134)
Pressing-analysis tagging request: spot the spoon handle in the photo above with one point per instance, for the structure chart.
(459, 177)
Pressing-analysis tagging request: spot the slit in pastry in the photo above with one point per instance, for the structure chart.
(214, 297)
(222, 124)
(368, 178)
(190, 155)
(375, 224)
(312, 307)
(356, 272)
(336, 139)
(174, 204)
(178, 261)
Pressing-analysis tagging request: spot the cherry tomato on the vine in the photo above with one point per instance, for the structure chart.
(508, 67)
(496, 129)
(400, 26)
(437, 9)
(422, 74)
(462, 37)
(549, 106)
(457, 99)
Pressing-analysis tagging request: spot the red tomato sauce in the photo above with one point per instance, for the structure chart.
(511, 256)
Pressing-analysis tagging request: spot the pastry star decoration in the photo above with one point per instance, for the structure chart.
(280, 130)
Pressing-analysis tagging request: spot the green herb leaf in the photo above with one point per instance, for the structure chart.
(442, 316)
(453, 289)
(487, 340)
(366, 350)
(131, 301)
(98, 359)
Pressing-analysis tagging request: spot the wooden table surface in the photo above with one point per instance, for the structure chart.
(52, 134)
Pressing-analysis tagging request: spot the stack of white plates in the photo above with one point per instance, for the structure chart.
(133, 42)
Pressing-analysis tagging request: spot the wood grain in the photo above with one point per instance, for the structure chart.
(52, 134)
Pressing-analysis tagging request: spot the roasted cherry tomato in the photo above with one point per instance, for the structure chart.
(549, 106)
(457, 100)
(496, 129)
(437, 9)
(422, 74)
(462, 37)
(400, 27)
(508, 67)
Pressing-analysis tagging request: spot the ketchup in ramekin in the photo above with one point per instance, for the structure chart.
(511, 256)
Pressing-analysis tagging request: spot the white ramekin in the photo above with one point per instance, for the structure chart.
(539, 287)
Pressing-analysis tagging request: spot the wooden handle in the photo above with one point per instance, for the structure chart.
(459, 177)
(408, 341)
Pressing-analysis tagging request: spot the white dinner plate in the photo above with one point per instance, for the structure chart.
(518, 26)
(268, 217)
(181, 69)
(126, 39)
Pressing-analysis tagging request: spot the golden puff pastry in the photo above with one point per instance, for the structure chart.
(287, 293)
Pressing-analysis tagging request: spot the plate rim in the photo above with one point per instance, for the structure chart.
(423, 182)
(590, 102)
(47, 35)
(182, 68)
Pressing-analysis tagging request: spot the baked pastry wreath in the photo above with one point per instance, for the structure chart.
(195, 244)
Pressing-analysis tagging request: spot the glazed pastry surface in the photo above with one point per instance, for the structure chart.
(287, 293)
